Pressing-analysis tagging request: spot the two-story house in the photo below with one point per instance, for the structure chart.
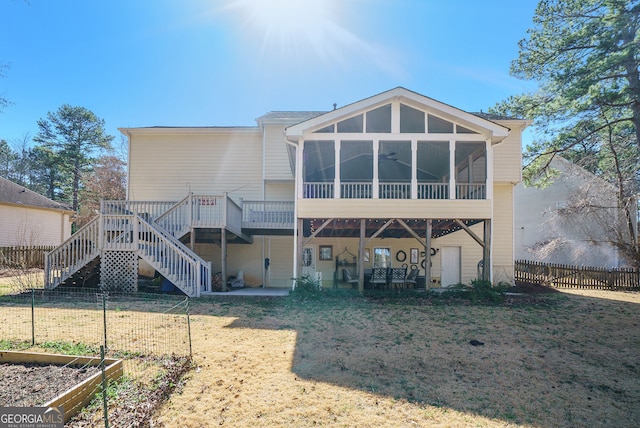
(394, 180)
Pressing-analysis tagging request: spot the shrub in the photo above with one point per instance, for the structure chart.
(479, 291)
(307, 287)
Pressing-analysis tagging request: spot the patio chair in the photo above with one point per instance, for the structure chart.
(346, 276)
(398, 277)
(412, 278)
(378, 278)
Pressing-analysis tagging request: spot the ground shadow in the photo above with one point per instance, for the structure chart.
(560, 361)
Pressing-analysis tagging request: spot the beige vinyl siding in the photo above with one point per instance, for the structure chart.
(168, 166)
(470, 254)
(388, 208)
(33, 226)
(280, 251)
(277, 166)
(280, 191)
(502, 252)
(240, 257)
(507, 158)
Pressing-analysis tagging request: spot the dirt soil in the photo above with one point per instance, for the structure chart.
(25, 385)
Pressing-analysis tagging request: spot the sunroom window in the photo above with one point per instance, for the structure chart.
(356, 169)
(471, 170)
(353, 124)
(433, 169)
(439, 126)
(319, 169)
(379, 119)
(411, 120)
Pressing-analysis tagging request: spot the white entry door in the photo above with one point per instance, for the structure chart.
(450, 261)
(309, 261)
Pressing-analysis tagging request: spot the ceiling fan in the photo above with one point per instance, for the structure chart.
(387, 156)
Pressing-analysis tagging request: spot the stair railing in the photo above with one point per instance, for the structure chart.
(185, 269)
(177, 219)
(73, 254)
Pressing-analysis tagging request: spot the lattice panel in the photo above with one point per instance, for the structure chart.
(119, 271)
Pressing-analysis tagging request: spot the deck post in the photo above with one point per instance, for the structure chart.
(223, 244)
(427, 255)
(363, 223)
(299, 250)
(486, 251)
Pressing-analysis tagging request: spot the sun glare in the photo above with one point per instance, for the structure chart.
(283, 16)
(320, 33)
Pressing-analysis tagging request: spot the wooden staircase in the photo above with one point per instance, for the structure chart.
(131, 227)
(126, 231)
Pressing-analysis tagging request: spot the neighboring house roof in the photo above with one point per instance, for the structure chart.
(491, 116)
(15, 194)
(289, 116)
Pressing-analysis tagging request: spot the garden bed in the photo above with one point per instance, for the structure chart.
(34, 379)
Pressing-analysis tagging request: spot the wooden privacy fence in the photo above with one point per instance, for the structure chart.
(565, 276)
(23, 256)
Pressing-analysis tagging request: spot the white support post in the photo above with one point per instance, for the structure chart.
(336, 180)
(414, 169)
(376, 180)
(452, 169)
(300, 168)
(489, 183)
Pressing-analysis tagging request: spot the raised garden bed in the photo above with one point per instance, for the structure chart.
(51, 380)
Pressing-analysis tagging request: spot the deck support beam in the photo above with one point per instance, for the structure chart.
(363, 228)
(427, 254)
(486, 253)
(223, 246)
(299, 250)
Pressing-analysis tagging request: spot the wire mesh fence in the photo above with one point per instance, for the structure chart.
(150, 333)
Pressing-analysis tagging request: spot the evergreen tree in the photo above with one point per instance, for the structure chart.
(77, 137)
(585, 57)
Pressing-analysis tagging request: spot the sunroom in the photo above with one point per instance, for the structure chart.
(396, 159)
(397, 150)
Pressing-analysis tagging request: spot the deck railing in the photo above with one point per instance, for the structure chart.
(233, 217)
(317, 190)
(150, 210)
(208, 211)
(471, 191)
(359, 190)
(395, 190)
(73, 254)
(433, 191)
(268, 214)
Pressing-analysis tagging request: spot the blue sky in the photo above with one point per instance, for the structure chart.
(225, 63)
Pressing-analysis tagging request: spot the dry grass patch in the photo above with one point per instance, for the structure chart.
(558, 360)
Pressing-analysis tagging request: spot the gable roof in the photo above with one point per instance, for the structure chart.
(497, 131)
(14, 194)
(287, 117)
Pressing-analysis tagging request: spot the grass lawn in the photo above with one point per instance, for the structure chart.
(558, 359)
(566, 359)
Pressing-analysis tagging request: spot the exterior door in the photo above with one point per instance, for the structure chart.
(309, 261)
(450, 261)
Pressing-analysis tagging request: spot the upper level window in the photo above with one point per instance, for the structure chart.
(462, 130)
(327, 129)
(439, 126)
(411, 120)
(353, 124)
(379, 119)
(319, 161)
